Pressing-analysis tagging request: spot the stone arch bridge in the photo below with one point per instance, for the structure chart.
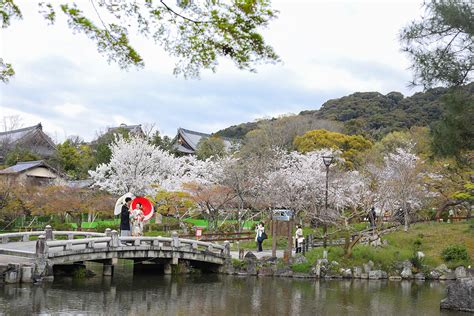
(38, 257)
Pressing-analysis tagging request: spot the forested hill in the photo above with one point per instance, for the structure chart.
(371, 113)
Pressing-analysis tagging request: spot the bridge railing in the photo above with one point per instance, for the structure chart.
(110, 239)
(48, 233)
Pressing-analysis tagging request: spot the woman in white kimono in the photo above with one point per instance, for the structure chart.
(136, 219)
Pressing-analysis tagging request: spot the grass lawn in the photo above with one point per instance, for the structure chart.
(205, 223)
(435, 237)
(430, 238)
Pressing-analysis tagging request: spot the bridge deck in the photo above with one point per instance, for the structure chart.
(30, 246)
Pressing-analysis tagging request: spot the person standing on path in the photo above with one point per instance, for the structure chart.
(259, 236)
(125, 218)
(299, 238)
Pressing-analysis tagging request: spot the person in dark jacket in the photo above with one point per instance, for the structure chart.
(372, 217)
(125, 218)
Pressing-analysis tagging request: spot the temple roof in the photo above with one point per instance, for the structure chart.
(192, 138)
(130, 128)
(17, 135)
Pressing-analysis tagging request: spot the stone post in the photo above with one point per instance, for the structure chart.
(168, 269)
(108, 232)
(48, 232)
(226, 248)
(114, 241)
(175, 243)
(13, 273)
(108, 268)
(27, 274)
(41, 247)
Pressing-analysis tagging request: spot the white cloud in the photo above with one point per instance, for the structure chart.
(70, 110)
(328, 48)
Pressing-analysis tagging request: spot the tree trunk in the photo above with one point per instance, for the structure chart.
(405, 213)
(350, 244)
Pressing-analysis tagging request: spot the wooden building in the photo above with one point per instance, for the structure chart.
(33, 173)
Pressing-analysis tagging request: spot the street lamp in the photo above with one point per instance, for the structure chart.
(328, 161)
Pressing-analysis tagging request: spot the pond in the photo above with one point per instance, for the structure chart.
(211, 294)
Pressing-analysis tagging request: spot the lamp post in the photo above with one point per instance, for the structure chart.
(328, 161)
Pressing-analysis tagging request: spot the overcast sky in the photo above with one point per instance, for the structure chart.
(329, 49)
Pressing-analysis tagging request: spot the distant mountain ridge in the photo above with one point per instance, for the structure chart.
(371, 114)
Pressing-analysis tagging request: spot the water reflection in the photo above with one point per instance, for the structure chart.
(128, 294)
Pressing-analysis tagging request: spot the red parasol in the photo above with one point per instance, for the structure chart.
(147, 206)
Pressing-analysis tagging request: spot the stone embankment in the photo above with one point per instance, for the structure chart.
(325, 269)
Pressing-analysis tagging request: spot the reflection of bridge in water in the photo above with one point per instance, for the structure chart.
(22, 258)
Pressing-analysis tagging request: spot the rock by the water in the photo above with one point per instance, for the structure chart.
(368, 266)
(460, 272)
(316, 270)
(419, 276)
(251, 268)
(448, 276)
(364, 276)
(250, 256)
(434, 275)
(265, 271)
(299, 258)
(395, 278)
(443, 268)
(270, 259)
(357, 272)
(407, 264)
(286, 271)
(347, 273)
(375, 274)
(460, 295)
(406, 273)
(320, 269)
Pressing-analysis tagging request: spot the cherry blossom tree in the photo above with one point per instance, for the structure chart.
(403, 181)
(204, 180)
(135, 166)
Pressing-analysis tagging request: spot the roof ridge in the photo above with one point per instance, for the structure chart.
(229, 139)
(31, 161)
(193, 132)
(21, 129)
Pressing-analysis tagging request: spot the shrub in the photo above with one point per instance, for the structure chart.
(301, 267)
(228, 227)
(62, 226)
(101, 227)
(417, 262)
(455, 253)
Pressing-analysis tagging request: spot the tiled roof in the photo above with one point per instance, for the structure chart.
(18, 134)
(22, 166)
(192, 138)
(132, 128)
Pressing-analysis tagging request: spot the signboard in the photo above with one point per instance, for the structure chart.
(198, 232)
(282, 215)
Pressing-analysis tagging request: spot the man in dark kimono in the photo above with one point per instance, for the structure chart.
(125, 218)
